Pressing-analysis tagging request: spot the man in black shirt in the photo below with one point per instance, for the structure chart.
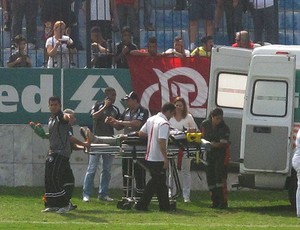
(100, 111)
(57, 162)
(132, 120)
(123, 48)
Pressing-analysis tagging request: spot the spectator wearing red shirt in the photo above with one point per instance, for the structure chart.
(150, 51)
(243, 40)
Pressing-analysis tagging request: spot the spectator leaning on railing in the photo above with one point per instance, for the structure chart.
(124, 48)
(204, 50)
(20, 57)
(243, 40)
(177, 50)
(150, 51)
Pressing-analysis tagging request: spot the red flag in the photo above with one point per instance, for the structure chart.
(160, 79)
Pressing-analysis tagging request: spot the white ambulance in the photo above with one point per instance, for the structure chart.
(259, 93)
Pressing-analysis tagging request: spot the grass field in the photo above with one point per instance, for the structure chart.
(20, 209)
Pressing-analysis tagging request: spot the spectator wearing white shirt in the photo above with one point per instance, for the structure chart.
(178, 49)
(60, 47)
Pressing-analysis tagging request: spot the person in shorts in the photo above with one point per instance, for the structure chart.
(201, 10)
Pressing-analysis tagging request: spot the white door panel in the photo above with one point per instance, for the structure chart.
(268, 114)
(228, 77)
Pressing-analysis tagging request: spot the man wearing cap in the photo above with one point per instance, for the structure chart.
(132, 120)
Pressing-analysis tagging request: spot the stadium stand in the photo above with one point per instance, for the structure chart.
(168, 24)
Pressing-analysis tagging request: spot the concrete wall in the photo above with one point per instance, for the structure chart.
(22, 161)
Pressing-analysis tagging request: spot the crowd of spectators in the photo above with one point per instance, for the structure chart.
(115, 27)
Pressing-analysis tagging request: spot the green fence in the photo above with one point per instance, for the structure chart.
(24, 93)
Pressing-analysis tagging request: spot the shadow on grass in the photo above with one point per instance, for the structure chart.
(274, 210)
(85, 215)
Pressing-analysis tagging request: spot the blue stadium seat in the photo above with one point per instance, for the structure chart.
(286, 20)
(289, 4)
(161, 4)
(286, 38)
(169, 19)
(164, 38)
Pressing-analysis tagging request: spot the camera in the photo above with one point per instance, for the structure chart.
(63, 41)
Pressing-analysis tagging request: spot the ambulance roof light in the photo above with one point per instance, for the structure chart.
(282, 52)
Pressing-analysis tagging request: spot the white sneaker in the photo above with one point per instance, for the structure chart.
(63, 210)
(51, 209)
(187, 200)
(107, 198)
(86, 199)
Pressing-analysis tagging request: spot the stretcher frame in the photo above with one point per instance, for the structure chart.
(133, 149)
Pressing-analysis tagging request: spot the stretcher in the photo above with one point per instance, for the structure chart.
(134, 148)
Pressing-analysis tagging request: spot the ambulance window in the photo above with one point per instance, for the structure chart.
(231, 90)
(269, 98)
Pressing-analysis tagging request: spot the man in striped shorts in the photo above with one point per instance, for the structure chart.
(57, 162)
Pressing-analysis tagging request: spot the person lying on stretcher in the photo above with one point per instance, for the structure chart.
(115, 140)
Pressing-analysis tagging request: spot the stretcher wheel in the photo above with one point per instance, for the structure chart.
(124, 205)
(173, 206)
(127, 206)
(120, 204)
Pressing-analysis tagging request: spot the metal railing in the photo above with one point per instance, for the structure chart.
(167, 21)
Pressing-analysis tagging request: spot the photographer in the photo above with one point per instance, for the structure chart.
(20, 57)
(60, 48)
(124, 47)
(100, 49)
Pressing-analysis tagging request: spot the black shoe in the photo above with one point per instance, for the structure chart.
(165, 210)
(214, 205)
(72, 206)
(138, 207)
(223, 206)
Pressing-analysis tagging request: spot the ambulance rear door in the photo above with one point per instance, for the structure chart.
(268, 115)
(228, 77)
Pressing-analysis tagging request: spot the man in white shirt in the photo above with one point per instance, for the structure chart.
(178, 49)
(156, 129)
